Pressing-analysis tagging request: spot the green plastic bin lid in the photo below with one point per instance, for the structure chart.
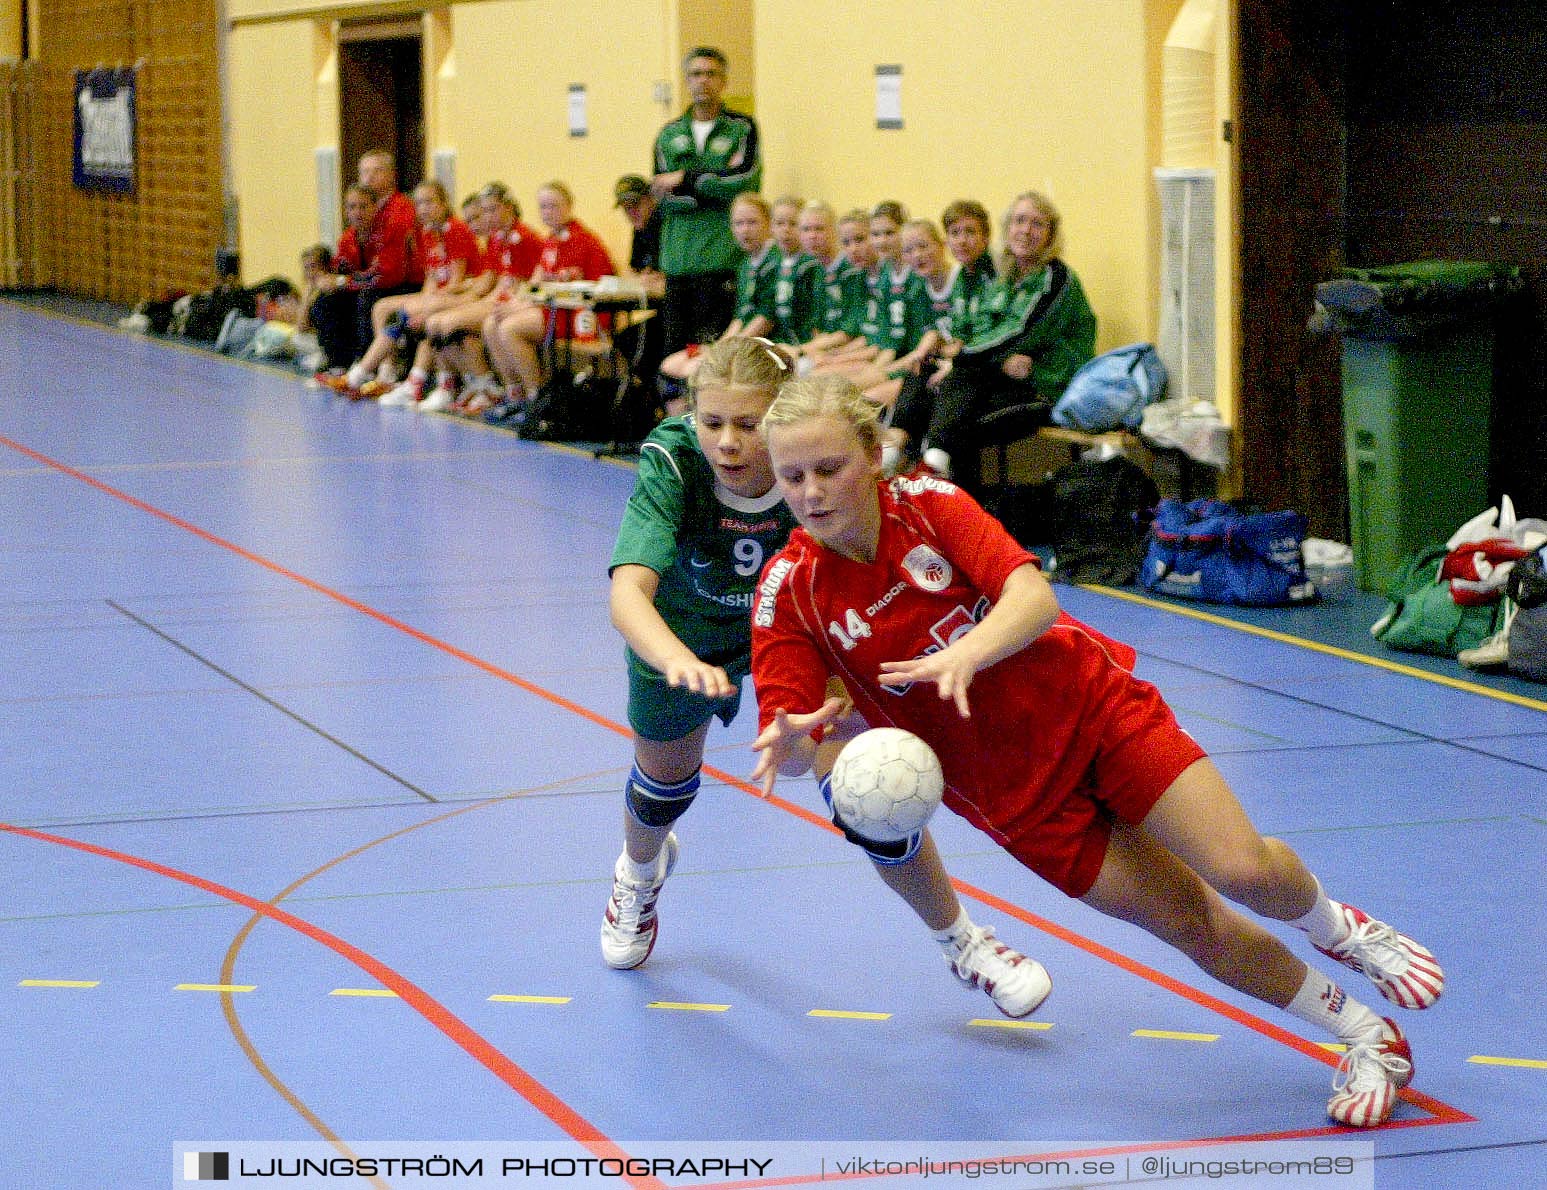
(1451, 274)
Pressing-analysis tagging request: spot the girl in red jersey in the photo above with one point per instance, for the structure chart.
(451, 256)
(571, 252)
(913, 596)
(509, 259)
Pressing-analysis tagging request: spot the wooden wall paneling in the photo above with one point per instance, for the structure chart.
(123, 247)
(1291, 145)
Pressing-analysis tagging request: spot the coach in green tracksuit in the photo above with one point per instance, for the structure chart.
(703, 160)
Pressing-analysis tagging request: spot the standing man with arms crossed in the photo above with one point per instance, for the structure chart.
(703, 160)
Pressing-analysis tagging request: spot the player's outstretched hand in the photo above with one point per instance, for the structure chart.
(950, 670)
(700, 677)
(787, 740)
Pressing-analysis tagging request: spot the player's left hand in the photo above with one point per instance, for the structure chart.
(950, 670)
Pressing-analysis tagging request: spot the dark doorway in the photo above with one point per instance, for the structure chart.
(381, 98)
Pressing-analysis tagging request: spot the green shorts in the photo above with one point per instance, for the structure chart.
(660, 712)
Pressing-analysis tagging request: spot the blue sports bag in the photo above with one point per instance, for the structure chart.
(1111, 391)
(1212, 551)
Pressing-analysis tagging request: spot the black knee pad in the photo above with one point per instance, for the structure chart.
(653, 804)
(898, 852)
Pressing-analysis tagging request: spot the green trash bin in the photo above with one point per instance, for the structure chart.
(1417, 402)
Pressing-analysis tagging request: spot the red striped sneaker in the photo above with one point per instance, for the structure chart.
(1364, 1089)
(1017, 985)
(1406, 973)
(629, 925)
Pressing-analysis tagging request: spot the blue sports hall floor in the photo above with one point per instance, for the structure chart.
(312, 748)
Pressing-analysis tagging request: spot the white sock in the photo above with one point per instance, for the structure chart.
(417, 377)
(937, 461)
(951, 937)
(1324, 923)
(357, 375)
(1323, 1003)
(446, 380)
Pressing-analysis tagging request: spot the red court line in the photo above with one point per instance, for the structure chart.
(574, 1125)
(319, 588)
(1441, 1113)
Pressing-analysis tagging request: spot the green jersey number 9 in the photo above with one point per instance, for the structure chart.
(748, 553)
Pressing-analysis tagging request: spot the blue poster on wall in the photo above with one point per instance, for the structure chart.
(104, 129)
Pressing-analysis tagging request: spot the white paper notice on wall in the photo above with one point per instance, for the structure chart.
(888, 96)
(577, 110)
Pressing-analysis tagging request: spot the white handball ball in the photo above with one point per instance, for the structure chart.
(886, 783)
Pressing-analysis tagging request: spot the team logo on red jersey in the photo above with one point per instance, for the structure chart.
(927, 568)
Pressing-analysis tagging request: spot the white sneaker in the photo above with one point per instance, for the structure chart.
(629, 925)
(1364, 1089)
(1492, 652)
(1404, 972)
(404, 396)
(439, 399)
(1016, 984)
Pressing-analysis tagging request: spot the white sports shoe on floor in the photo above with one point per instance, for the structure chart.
(1402, 970)
(1016, 984)
(1492, 653)
(1364, 1089)
(629, 925)
(438, 400)
(404, 396)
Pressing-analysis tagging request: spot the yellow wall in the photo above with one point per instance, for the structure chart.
(506, 114)
(996, 99)
(10, 28)
(272, 75)
(497, 74)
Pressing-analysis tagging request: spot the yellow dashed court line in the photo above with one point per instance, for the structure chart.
(677, 1006)
(850, 1016)
(501, 999)
(386, 993)
(1532, 1063)
(1168, 1035)
(215, 987)
(58, 983)
(1007, 1024)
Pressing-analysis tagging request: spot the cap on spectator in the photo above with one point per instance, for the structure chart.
(630, 189)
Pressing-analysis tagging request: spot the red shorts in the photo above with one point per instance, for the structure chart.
(1142, 750)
